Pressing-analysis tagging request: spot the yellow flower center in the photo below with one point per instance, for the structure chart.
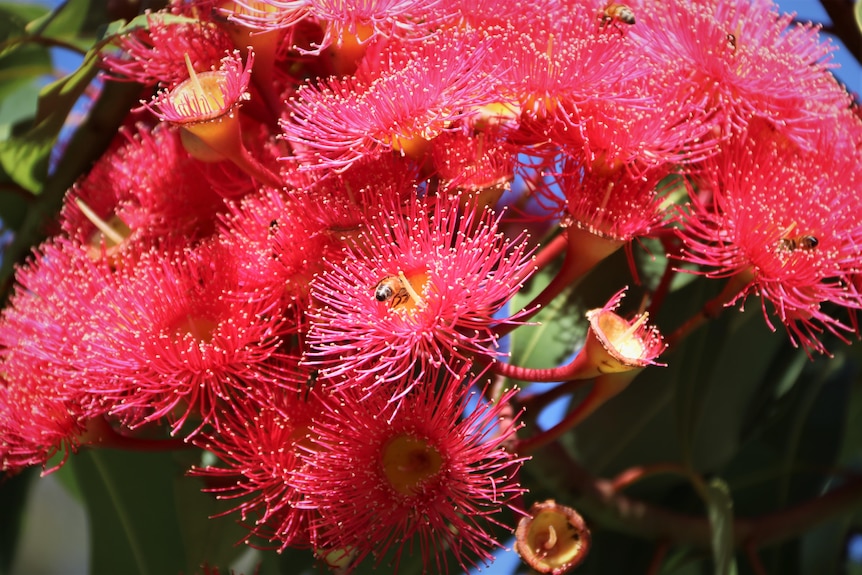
(409, 462)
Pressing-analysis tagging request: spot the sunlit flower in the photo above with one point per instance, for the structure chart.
(786, 225)
(747, 59)
(549, 65)
(337, 122)
(411, 475)
(126, 191)
(424, 285)
(36, 422)
(341, 203)
(43, 349)
(366, 19)
(274, 246)
(474, 164)
(258, 451)
(156, 54)
(186, 349)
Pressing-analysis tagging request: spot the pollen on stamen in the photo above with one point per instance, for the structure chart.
(111, 234)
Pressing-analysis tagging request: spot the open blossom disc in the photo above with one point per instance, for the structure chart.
(423, 285)
(187, 349)
(384, 475)
(339, 121)
(786, 224)
(258, 451)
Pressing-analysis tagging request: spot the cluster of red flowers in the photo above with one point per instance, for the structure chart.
(292, 255)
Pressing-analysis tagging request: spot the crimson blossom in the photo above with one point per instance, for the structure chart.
(338, 121)
(422, 286)
(747, 60)
(156, 54)
(785, 224)
(43, 348)
(186, 351)
(259, 451)
(122, 202)
(385, 475)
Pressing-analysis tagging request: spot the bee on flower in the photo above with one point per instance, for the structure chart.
(784, 224)
(421, 285)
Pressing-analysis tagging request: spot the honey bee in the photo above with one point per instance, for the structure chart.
(798, 243)
(391, 289)
(615, 13)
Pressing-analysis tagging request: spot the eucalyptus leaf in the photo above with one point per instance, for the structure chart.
(822, 547)
(25, 157)
(13, 209)
(13, 23)
(13, 499)
(130, 500)
(21, 68)
(17, 106)
(75, 22)
(742, 359)
(204, 535)
(549, 337)
(144, 21)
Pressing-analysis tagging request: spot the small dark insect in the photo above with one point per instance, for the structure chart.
(731, 41)
(799, 243)
(392, 290)
(615, 13)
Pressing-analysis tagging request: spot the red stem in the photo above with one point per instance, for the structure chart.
(754, 559)
(605, 387)
(102, 434)
(544, 375)
(710, 309)
(547, 254)
(663, 287)
(538, 401)
(615, 510)
(544, 258)
(634, 474)
(657, 560)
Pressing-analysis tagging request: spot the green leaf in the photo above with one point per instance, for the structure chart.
(550, 338)
(720, 512)
(823, 547)
(132, 508)
(637, 426)
(205, 537)
(13, 209)
(13, 498)
(21, 67)
(15, 17)
(143, 21)
(562, 324)
(25, 157)
(75, 22)
(857, 11)
(743, 359)
(17, 105)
